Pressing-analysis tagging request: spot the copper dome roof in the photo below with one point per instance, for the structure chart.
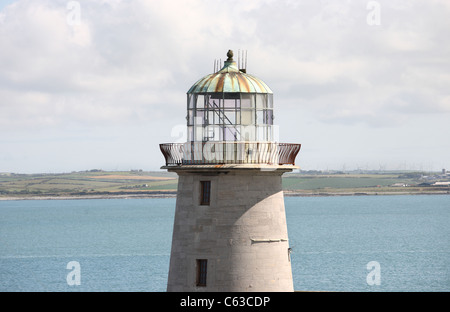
(229, 79)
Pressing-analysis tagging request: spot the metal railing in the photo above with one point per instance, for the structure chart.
(215, 153)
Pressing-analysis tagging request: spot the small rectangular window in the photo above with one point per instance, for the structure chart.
(205, 192)
(201, 272)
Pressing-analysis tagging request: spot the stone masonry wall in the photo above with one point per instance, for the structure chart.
(242, 233)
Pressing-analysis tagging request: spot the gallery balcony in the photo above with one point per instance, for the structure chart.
(229, 153)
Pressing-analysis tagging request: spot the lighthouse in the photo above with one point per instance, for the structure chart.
(230, 232)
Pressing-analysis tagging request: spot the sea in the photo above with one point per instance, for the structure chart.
(339, 243)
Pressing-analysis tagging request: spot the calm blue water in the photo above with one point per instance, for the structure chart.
(124, 244)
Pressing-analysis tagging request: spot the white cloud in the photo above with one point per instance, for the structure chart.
(128, 64)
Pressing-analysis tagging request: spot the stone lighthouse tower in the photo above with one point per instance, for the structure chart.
(230, 230)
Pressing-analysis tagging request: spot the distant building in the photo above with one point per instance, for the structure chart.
(399, 185)
(441, 184)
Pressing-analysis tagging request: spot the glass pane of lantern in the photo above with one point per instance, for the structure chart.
(200, 118)
(230, 117)
(214, 99)
(268, 117)
(259, 117)
(270, 100)
(229, 103)
(211, 117)
(247, 117)
(248, 133)
(209, 101)
(238, 132)
(261, 101)
(213, 133)
(210, 133)
(200, 101)
(191, 98)
(198, 133)
(214, 103)
(247, 101)
(230, 134)
(198, 121)
(190, 117)
(261, 133)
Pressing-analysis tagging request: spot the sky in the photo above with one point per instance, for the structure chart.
(100, 84)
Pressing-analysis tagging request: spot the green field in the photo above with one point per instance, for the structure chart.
(140, 183)
(359, 184)
(339, 181)
(86, 183)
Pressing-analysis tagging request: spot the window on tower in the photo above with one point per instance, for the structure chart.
(205, 192)
(201, 272)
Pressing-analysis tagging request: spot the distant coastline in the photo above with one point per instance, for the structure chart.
(173, 195)
(380, 193)
(170, 194)
(75, 197)
(99, 184)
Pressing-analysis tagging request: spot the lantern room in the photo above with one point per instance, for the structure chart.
(230, 121)
(230, 105)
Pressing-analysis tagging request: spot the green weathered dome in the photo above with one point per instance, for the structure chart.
(229, 79)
